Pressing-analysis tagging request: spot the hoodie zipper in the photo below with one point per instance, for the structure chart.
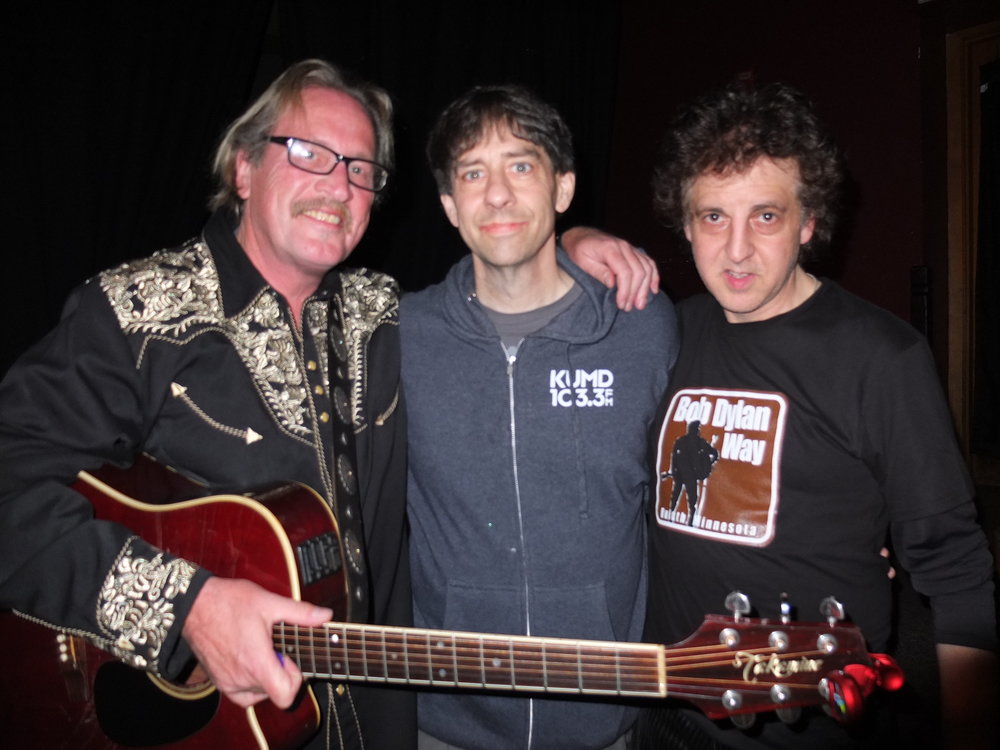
(511, 356)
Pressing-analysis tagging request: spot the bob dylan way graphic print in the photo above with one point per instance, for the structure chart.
(718, 464)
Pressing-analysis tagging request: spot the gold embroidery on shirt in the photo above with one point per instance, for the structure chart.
(368, 300)
(315, 318)
(174, 293)
(135, 608)
(268, 348)
(166, 293)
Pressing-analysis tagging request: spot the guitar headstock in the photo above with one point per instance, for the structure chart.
(738, 666)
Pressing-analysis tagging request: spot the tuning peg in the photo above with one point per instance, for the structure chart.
(789, 715)
(890, 674)
(743, 721)
(843, 696)
(780, 696)
(884, 673)
(786, 609)
(738, 603)
(832, 610)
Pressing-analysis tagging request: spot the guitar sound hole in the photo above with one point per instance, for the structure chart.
(133, 711)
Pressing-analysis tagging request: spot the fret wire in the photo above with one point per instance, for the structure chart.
(545, 668)
(406, 655)
(364, 651)
(430, 660)
(510, 657)
(328, 650)
(347, 657)
(312, 649)
(482, 660)
(385, 656)
(454, 660)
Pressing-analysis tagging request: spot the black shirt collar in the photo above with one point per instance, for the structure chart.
(239, 280)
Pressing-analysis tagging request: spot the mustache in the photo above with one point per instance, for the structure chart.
(324, 205)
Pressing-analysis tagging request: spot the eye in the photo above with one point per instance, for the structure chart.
(360, 168)
(522, 167)
(471, 175)
(302, 151)
(712, 218)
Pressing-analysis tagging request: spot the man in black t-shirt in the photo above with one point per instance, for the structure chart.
(830, 426)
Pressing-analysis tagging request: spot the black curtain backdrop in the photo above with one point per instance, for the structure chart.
(113, 113)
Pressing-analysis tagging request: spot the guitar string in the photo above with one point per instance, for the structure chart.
(560, 664)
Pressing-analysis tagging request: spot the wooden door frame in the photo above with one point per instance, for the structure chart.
(966, 51)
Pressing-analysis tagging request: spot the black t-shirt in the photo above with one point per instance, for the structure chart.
(830, 424)
(830, 428)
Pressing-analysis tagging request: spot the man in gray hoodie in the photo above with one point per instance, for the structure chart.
(520, 374)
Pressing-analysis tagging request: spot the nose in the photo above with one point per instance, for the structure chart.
(739, 243)
(335, 183)
(498, 192)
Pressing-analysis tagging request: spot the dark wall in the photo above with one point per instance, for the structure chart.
(112, 111)
(857, 59)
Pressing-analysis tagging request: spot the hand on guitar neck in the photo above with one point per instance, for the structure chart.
(229, 629)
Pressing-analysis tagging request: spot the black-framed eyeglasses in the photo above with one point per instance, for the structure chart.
(310, 156)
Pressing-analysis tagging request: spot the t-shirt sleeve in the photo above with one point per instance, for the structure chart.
(913, 453)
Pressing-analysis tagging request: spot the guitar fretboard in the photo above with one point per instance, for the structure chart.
(438, 658)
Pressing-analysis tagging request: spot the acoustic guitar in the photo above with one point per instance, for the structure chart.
(59, 691)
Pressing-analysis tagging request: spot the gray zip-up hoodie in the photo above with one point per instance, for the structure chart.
(527, 480)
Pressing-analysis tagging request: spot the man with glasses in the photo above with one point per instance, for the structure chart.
(214, 358)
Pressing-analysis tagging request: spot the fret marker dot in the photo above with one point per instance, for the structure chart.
(337, 665)
(440, 644)
(496, 662)
(334, 638)
(442, 673)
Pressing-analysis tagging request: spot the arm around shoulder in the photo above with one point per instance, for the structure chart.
(615, 263)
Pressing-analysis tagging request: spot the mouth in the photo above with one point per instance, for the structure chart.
(738, 279)
(325, 216)
(502, 227)
(334, 216)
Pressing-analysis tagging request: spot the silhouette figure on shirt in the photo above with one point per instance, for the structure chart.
(691, 462)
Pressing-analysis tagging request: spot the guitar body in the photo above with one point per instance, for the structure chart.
(61, 692)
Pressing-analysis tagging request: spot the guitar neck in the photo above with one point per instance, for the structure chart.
(449, 659)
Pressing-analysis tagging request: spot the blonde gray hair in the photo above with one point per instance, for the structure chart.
(249, 132)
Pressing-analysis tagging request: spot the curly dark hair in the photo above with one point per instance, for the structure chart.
(729, 130)
(466, 119)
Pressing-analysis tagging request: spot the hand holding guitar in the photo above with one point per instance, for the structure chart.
(229, 629)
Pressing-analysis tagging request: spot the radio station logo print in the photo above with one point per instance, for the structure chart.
(582, 387)
(718, 463)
